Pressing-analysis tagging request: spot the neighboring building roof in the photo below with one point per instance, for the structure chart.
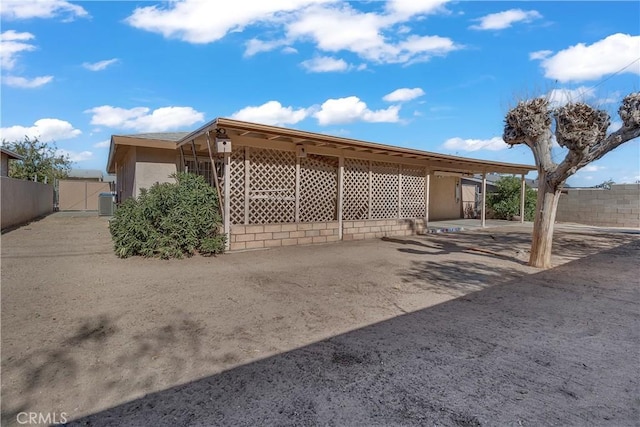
(85, 173)
(10, 154)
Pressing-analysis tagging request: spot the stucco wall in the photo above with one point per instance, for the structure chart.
(617, 207)
(442, 198)
(23, 201)
(153, 165)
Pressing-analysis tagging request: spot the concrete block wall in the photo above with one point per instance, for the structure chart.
(273, 235)
(23, 201)
(617, 207)
(376, 228)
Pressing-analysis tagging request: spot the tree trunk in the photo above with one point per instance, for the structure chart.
(542, 239)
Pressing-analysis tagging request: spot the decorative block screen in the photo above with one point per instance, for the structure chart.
(412, 204)
(318, 188)
(272, 186)
(355, 203)
(384, 190)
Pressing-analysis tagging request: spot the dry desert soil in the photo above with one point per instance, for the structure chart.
(448, 330)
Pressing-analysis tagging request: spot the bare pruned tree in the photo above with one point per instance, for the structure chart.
(581, 129)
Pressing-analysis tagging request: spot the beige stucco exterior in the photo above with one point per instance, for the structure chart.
(141, 167)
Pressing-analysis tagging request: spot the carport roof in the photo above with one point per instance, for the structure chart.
(434, 160)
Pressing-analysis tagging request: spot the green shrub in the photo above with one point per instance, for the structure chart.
(505, 201)
(169, 220)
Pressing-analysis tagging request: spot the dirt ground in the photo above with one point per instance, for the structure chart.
(450, 329)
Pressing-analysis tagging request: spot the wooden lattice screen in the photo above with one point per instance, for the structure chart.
(412, 201)
(237, 187)
(318, 188)
(371, 189)
(355, 203)
(272, 186)
(384, 190)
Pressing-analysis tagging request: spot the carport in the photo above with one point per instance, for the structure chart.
(283, 186)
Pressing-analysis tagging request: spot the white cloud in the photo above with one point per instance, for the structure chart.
(408, 8)
(341, 27)
(615, 125)
(560, 97)
(254, 46)
(494, 144)
(591, 62)
(23, 82)
(191, 20)
(44, 129)
(27, 9)
(289, 50)
(540, 54)
(502, 20)
(100, 65)
(403, 94)
(102, 144)
(351, 109)
(592, 168)
(142, 120)
(271, 113)
(11, 44)
(324, 64)
(75, 156)
(331, 25)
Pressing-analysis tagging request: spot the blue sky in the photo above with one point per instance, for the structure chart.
(431, 75)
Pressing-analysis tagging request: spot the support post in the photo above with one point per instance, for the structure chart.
(340, 194)
(427, 185)
(195, 156)
(297, 213)
(483, 216)
(399, 191)
(182, 159)
(227, 199)
(369, 190)
(522, 198)
(247, 184)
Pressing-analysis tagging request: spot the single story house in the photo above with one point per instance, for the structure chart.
(281, 186)
(7, 155)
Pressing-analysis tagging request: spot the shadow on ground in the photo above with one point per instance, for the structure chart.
(554, 348)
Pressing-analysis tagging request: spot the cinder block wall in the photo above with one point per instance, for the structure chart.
(273, 235)
(376, 228)
(617, 207)
(24, 200)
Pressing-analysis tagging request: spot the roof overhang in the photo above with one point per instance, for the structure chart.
(121, 140)
(11, 154)
(435, 161)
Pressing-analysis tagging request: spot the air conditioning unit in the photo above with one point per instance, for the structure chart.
(106, 205)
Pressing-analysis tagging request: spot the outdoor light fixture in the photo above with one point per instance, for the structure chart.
(222, 141)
